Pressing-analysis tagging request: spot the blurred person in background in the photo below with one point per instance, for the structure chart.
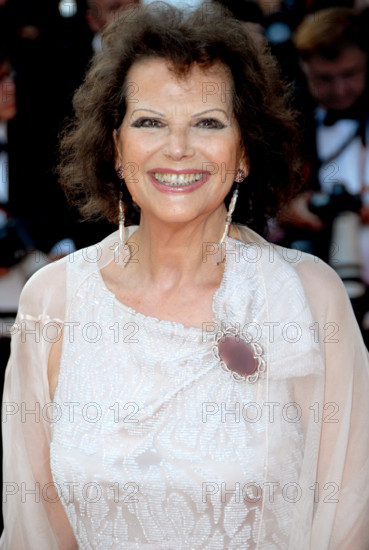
(51, 54)
(27, 233)
(330, 218)
(16, 242)
(8, 111)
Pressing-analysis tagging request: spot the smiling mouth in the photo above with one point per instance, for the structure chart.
(178, 180)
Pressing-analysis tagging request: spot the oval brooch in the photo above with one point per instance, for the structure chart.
(243, 359)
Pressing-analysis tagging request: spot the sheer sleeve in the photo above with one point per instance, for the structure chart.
(341, 519)
(34, 517)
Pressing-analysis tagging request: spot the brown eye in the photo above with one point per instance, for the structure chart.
(147, 123)
(210, 123)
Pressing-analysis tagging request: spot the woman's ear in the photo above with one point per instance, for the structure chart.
(245, 165)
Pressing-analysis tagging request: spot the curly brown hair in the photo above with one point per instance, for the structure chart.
(268, 127)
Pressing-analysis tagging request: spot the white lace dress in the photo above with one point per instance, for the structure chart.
(152, 445)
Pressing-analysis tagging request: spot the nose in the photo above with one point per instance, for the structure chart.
(179, 144)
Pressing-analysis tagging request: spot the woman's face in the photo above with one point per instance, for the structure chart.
(179, 143)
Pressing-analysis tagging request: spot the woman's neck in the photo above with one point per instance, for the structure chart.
(171, 254)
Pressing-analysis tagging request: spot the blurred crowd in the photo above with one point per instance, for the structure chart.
(322, 48)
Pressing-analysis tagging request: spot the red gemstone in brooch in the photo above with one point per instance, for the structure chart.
(244, 360)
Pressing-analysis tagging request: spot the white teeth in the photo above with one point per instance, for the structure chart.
(178, 179)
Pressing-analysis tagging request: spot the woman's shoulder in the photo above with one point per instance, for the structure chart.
(322, 286)
(324, 290)
(306, 265)
(315, 271)
(47, 292)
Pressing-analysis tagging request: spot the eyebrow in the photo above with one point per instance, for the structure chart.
(193, 116)
(209, 111)
(148, 110)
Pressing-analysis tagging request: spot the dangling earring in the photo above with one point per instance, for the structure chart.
(219, 256)
(121, 252)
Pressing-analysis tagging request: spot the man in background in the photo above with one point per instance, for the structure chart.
(330, 218)
(333, 50)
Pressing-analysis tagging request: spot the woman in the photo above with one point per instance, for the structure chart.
(191, 386)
